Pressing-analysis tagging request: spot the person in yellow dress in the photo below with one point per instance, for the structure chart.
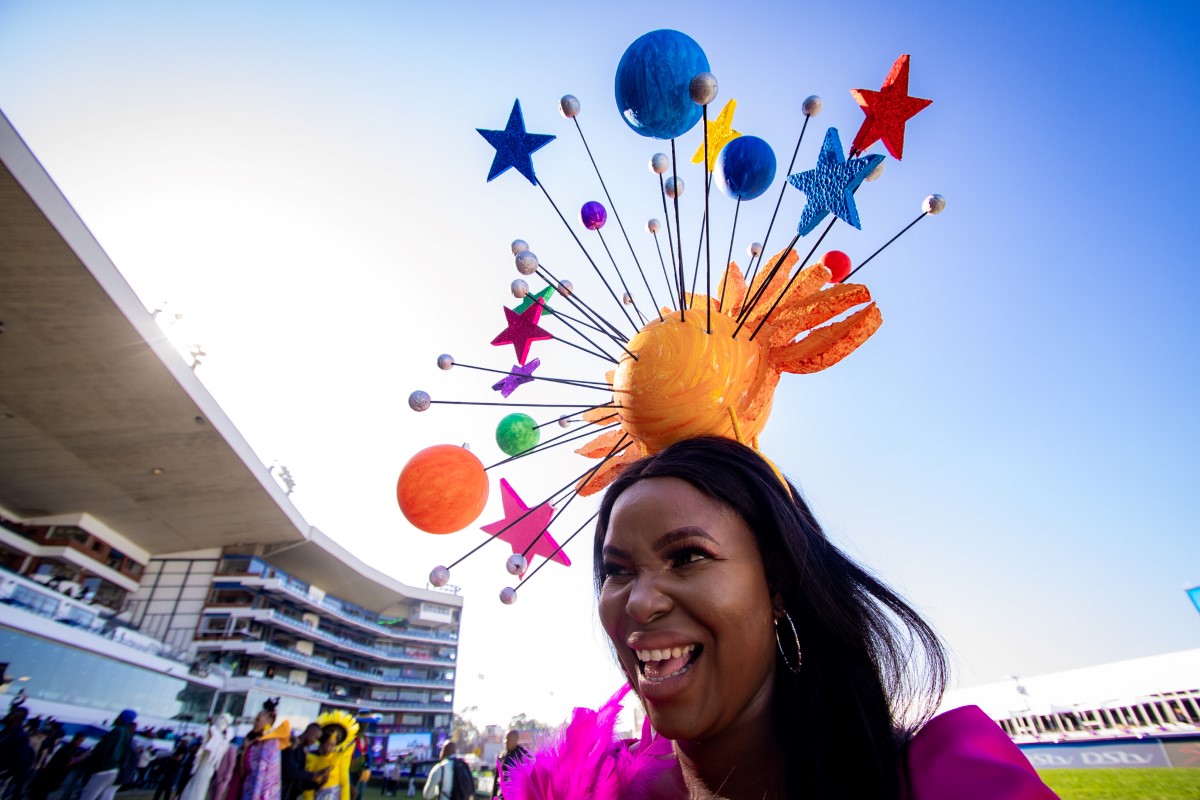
(334, 752)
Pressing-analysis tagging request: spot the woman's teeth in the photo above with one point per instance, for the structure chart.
(659, 664)
(662, 655)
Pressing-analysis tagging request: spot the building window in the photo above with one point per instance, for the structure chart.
(68, 533)
(231, 597)
(54, 672)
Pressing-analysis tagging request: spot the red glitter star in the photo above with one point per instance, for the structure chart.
(523, 533)
(887, 110)
(522, 330)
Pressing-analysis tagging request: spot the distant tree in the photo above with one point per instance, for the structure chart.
(466, 733)
(522, 722)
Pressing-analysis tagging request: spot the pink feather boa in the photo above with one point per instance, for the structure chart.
(585, 762)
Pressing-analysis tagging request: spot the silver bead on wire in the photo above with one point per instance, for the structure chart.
(934, 205)
(565, 287)
(445, 361)
(652, 225)
(754, 250)
(673, 187)
(660, 163)
(419, 401)
(439, 577)
(516, 564)
(703, 88)
(812, 105)
(527, 262)
(508, 595)
(568, 106)
(564, 421)
(627, 299)
(519, 246)
(519, 288)
(877, 172)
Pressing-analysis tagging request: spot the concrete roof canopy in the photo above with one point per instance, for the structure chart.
(100, 414)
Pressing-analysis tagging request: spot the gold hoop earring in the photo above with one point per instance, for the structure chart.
(795, 636)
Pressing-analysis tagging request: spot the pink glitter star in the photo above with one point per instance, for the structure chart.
(521, 534)
(522, 330)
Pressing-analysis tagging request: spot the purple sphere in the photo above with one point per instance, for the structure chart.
(593, 215)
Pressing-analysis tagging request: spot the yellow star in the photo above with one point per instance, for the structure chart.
(720, 133)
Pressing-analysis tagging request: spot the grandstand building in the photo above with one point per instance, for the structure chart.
(148, 559)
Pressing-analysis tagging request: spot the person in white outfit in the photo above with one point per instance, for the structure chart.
(216, 742)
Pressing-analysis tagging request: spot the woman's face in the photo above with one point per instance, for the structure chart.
(262, 721)
(686, 604)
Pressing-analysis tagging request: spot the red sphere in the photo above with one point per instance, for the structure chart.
(442, 489)
(838, 263)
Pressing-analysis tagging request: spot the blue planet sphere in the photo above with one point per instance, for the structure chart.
(745, 168)
(652, 84)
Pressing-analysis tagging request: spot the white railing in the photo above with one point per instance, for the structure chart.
(33, 598)
(309, 629)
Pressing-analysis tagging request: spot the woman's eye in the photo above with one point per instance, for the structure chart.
(614, 571)
(687, 557)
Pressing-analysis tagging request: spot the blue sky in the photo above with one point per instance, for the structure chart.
(1013, 450)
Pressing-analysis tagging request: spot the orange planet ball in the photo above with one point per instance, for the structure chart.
(442, 489)
(685, 381)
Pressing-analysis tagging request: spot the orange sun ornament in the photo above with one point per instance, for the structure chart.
(687, 382)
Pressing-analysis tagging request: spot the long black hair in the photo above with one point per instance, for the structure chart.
(873, 671)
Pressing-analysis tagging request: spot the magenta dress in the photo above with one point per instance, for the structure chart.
(959, 754)
(963, 753)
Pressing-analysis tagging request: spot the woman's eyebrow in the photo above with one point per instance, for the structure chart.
(615, 552)
(666, 540)
(686, 532)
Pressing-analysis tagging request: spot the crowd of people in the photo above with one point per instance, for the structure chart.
(38, 759)
(41, 760)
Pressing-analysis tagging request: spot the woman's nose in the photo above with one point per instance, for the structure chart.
(647, 600)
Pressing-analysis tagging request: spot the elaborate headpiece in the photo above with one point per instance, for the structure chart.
(342, 722)
(707, 360)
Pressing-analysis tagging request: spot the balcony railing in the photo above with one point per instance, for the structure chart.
(323, 665)
(337, 608)
(29, 596)
(353, 702)
(378, 652)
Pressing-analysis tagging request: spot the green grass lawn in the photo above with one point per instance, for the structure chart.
(1159, 783)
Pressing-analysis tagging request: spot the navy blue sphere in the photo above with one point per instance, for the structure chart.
(745, 168)
(652, 84)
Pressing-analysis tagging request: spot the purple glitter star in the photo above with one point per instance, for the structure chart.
(520, 374)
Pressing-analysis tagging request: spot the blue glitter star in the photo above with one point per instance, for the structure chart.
(829, 187)
(514, 147)
(520, 375)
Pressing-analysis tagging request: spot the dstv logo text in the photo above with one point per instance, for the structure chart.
(1116, 759)
(1102, 756)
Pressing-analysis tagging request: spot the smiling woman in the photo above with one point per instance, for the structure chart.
(771, 663)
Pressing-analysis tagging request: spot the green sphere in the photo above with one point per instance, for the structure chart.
(517, 433)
